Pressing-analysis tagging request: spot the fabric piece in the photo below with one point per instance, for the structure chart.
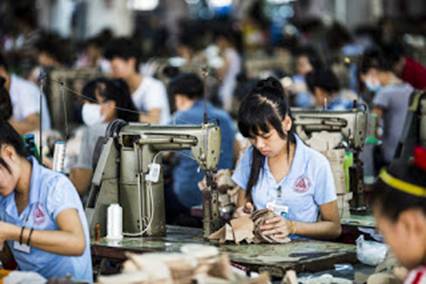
(247, 228)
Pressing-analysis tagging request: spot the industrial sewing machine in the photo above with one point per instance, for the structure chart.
(334, 133)
(129, 173)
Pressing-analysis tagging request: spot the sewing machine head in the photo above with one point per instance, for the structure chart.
(350, 125)
(129, 172)
(333, 133)
(203, 140)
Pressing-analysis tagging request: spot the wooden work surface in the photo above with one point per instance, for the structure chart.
(359, 221)
(274, 258)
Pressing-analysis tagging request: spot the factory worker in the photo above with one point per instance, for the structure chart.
(42, 220)
(280, 172)
(403, 224)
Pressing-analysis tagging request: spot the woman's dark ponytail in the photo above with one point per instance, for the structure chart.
(257, 164)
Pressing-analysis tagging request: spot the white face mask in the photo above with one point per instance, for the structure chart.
(91, 114)
(372, 85)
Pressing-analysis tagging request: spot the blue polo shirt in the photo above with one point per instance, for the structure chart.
(339, 103)
(308, 184)
(50, 194)
(185, 172)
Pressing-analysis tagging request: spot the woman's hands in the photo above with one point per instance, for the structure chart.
(278, 227)
(245, 210)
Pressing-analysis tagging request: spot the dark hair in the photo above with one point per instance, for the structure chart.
(56, 47)
(9, 136)
(3, 62)
(374, 58)
(393, 53)
(124, 48)
(337, 36)
(187, 84)
(324, 79)
(313, 56)
(89, 90)
(118, 91)
(232, 36)
(264, 107)
(392, 202)
(6, 109)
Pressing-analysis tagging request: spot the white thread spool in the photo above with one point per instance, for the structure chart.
(115, 222)
(59, 157)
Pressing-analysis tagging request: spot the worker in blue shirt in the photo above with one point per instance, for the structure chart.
(187, 90)
(42, 220)
(280, 172)
(325, 86)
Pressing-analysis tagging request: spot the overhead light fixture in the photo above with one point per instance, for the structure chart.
(143, 5)
(219, 3)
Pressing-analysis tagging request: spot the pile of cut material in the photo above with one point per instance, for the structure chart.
(195, 264)
(247, 228)
(330, 145)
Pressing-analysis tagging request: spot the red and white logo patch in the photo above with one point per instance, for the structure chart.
(39, 215)
(302, 184)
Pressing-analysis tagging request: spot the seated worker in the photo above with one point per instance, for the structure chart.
(148, 94)
(306, 60)
(53, 51)
(391, 100)
(405, 67)
(42, 219)
(280, 172)
(325, 86)
(113, 102)
(25, 97)
(226, 41)
(187, 90)
(398, 200)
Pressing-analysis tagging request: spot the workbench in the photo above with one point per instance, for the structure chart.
(301, 255)
(359, 221)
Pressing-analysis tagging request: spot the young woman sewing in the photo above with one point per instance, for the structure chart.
(280, 172)
(42, 220)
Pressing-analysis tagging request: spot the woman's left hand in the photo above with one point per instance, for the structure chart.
(277, 227)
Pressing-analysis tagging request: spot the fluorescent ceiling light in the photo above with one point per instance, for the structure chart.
(143, 5)
(219, 3)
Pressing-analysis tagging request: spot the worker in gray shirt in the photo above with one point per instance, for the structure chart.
(391, 100)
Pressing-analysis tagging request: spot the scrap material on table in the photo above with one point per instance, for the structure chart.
(200, 263)
(247, 228)
(274, 258)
